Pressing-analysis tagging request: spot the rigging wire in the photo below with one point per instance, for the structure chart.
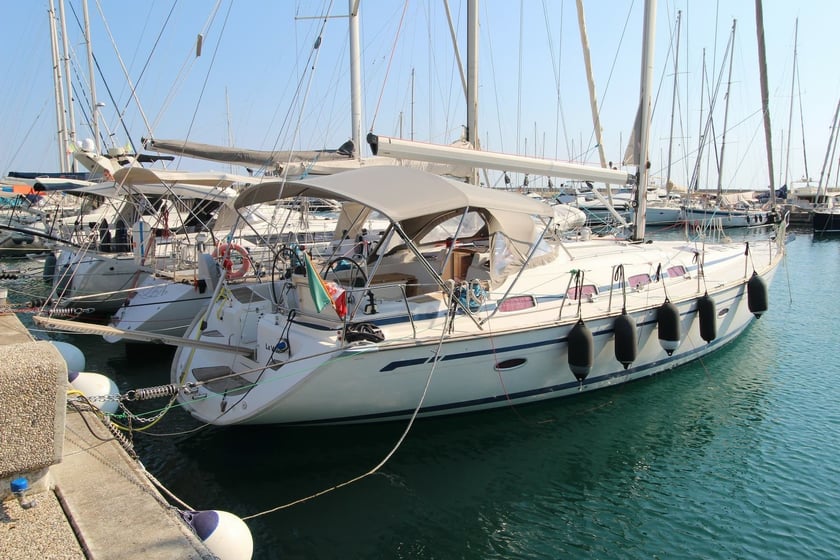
(133, 86)
(22, 142)
(187, 65)
(560, 117)
(388, 68)
(614, 62)
(209, 69)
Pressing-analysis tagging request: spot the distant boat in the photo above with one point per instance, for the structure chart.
(737, 214)
(827, 216)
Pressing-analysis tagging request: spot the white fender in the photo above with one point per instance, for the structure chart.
(226, 535)
(74, 357)
(92, 384)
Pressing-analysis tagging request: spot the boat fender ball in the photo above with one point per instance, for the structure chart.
(92, 384)
(626, 343)
(226, 535)
(73, 357)
(708, 318)
(49, 266)
(668, 323)
(757, 295)
(581, 350)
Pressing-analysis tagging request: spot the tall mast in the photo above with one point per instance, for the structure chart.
(71, 112)
(59, 93)
(593, 97)
(673, 103)
(726, 111)
(355, 80)
(822, 185)
(790, 111)
(472, 76)
(765, 96)
(94, 108)
(645, 97)
(694, 184)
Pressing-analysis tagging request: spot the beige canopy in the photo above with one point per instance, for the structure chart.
(395, 192)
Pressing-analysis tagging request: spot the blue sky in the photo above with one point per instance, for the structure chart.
(259, 84)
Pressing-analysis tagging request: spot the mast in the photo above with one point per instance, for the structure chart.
(472, 77)
(790, 111)
(701, 142)
(673, 104)
(822, 185)
(593, 97)
(411, 119)
(59, 93)
(765, 96)
(726, 112)
(645, 99)
(355, 80)
(94, 107)
(71, 112)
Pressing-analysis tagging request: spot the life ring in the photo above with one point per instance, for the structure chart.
(231, 273)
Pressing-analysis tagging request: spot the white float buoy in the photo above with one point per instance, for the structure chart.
(226, 535)
(74, 357)
(92, 384)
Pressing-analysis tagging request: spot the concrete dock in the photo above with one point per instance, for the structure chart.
(93, 499)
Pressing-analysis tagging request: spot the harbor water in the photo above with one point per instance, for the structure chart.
(736, 455)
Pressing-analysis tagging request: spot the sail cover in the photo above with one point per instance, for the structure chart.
(247, 157)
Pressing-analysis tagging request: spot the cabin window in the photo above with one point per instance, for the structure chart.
(637, 281)
(517, 303)
(676, 271)
(588, 291)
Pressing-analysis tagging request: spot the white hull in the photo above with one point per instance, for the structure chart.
(517, 357)
(95, 282)
(161, 306)
(727, 218)
(663, 215)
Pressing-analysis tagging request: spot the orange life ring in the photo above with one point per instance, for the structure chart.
(224, 249)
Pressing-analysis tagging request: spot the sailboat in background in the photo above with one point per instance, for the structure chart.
(827, 205)
(727, 210)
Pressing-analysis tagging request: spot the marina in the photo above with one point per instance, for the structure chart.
(707, 460)
(378, 350)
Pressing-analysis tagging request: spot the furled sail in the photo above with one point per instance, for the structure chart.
(249, 158)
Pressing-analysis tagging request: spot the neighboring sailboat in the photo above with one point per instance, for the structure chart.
(148, 221)
(726, 210)
(827, 205)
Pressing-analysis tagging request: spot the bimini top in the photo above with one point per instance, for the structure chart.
(398, 193)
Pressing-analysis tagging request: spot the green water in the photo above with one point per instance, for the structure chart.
(734, 456)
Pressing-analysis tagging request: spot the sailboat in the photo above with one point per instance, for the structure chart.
(827, 204)
(467, 300)
(727, 210)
